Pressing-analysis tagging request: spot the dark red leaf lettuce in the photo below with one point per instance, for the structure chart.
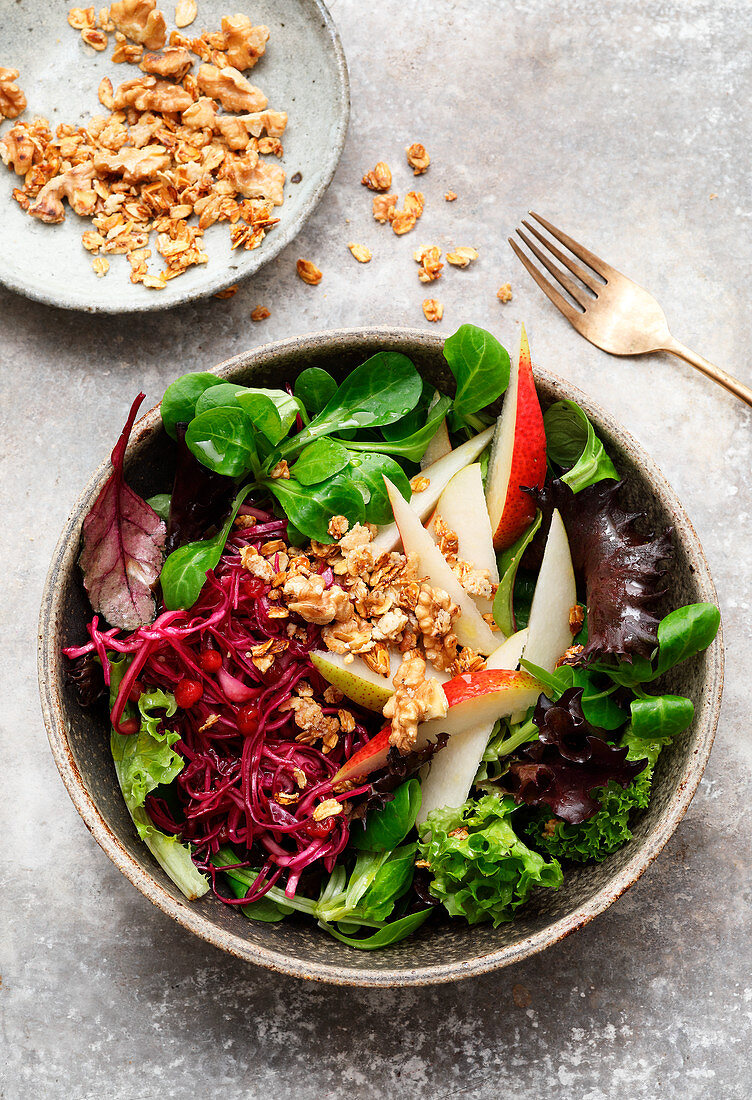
(570, 759)
(200, 498)
(122, 546)
(622, 569)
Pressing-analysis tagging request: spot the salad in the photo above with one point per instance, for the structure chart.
(378, 656)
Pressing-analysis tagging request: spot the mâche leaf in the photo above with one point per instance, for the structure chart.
(658, 716)
(222, 396)
(411, 447)
(391, 933)
(571, 443)
(480, 366)
(315, 388)
(387, 827)
(368, 472)
(684, 633)
(262, 413)
(123, 540)
(311, 512)
(178, 405)
(321, 459)
(222, 440)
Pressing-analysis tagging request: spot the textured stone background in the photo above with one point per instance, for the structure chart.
(619, 120)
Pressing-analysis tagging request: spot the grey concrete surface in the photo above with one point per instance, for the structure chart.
(619, 120)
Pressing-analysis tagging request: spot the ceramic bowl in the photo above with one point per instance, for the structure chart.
(80, 740)
(303, 72)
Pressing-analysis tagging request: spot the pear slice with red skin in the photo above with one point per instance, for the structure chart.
(359, 682)
(470, 627)
(518, 454)
(474, 698)
(439, 474)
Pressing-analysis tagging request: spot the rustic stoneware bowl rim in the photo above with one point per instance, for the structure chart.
(645, 850)
(274, 243)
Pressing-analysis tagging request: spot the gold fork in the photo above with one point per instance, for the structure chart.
(610, 310)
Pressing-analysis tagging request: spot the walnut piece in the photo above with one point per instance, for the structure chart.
(185, 12)
(379, 178)
(338, 526)
(576, 618)
(313, 601)
(435, 612)
(417, 158)
(360, 252)
(256, 564)
(259, 181)
(12, 99)
(75, 186)
(82, 19)
(244, 43)
(415, 700)
(504, 293)
(172, 63)
(200, 115)
(140, 21)
(134, 165)
(383, 207)
(462, 256)
(231, 88)
(260, 313)
(126, 52)
(17, 150)
(433, 310)
(308, 272)
(450, 196)
(280, 472)
(146, 93)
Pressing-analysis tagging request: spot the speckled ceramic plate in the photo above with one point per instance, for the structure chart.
(80, 739)
(303, 72)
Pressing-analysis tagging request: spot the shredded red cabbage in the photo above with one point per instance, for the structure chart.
(226, 791)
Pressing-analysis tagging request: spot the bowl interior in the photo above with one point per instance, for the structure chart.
(81, 744)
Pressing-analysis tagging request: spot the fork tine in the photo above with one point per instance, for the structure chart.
(572, 315)
(575, 292)
(582, 253)
(579, 272)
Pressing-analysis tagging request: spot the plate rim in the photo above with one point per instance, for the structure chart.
(283, 234)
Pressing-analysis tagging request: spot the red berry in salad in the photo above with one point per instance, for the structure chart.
(188, 693)
(137, 690)
(248, 719)
(130, 726)
(210, 660)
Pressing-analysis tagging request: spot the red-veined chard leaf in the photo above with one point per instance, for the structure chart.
(122, 546)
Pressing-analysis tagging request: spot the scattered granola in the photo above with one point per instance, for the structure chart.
(260, 313)
(379, 178)
(12, 99)
(419, 483)
(308, 272)
(281, 470)
(433, 310)
(417, 158)
(384, 207)
(450, 196)
(504, 293)
(576, 618)
(361, 253)
(228, 292)
(430, 263)
(165, 151)
(461, 257)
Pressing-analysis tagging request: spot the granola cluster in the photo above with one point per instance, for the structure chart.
(377, 606)
(174, 144)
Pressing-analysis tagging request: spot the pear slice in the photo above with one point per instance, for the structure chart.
(549, 635)
(356, 680)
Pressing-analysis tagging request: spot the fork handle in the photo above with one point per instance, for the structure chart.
(733, 385)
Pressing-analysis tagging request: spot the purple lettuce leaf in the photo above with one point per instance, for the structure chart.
(622, 569)
(570, 759)
(123, 540)
(200, 498)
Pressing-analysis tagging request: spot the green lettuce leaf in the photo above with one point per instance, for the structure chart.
(481, 869)
(609, 829)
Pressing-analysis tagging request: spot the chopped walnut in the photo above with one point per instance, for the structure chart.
(257, 181)
(462, 256)
(361, 253)
(576, 618)
(450, 196)
(419, 483)
(140, 21)
(504, 293)
(436, 612)
(150, 94)
(185, 13)
(260, 313)
(244, 43)
(308, 272)
(228, 292)
(430, 263)
(281, 471)
(379, 178)
(134, 165)
(433, 310)
(383, 207)
(12, 99)
(338, 526)
(126, 52)
(417, 158)
(231, 88)
(172, 63)
(201, 114)
(17, 150)
(75, 186)
(349, 637)
(256, 564)
(415, 700)
(313, 601)
(390, 626)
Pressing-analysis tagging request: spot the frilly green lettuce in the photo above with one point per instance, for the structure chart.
(481, 869)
